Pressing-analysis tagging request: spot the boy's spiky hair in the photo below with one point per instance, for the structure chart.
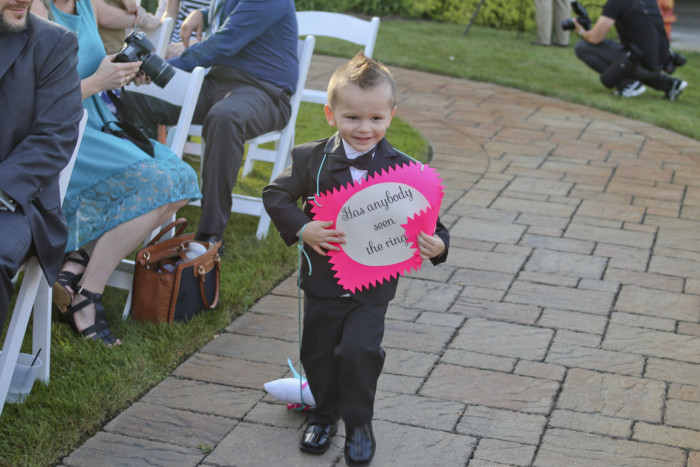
(363, 72)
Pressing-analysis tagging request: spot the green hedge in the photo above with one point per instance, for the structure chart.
(502, 14)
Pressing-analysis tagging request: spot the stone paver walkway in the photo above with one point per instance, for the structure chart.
(563, 330)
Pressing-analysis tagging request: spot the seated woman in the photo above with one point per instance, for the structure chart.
(118, 193)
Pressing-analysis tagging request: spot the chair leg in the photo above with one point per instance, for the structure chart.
(263, 226)
(127, 305)
(18, 326)
(41, 339)
(247, 165)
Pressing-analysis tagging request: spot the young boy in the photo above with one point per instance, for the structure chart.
(341, 344)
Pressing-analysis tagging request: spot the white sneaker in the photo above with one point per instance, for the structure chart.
(633, 89)
(676, 89)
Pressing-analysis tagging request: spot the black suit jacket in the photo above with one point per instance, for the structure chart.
(299, 181)
(40, 109)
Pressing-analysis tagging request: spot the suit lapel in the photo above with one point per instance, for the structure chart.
(11, 45)
(384, 157)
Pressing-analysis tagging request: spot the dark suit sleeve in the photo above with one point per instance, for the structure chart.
(442, 232)
(38, 159)
(280, 199)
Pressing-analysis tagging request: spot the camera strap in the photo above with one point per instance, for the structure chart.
(118, 101)
(126, 129)
(131, 132)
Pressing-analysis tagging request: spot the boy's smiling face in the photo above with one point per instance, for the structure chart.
(362, 115)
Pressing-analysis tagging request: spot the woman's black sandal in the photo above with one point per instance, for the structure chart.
(100, 330)
(62, 295)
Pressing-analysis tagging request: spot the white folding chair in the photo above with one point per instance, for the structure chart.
(160, 36)
(338, 26)
(283, 141)
(35, 293)
(183, 91)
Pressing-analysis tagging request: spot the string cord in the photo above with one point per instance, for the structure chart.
(300, 250)
(318, 177)
(414, 160)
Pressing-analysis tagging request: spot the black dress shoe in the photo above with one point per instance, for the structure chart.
(317, 438)
(359, 445)
(211, 239)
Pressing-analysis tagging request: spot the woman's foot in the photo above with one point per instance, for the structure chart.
(89, 317)
(74, 265)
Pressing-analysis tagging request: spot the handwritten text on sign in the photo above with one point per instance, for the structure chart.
(381, 218)
(375, 214)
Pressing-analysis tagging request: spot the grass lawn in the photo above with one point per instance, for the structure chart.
(91, 384)
(508, 58)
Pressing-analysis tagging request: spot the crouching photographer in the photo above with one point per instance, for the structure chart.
(642, 58)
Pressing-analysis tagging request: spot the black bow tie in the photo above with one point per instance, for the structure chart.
(362, 162)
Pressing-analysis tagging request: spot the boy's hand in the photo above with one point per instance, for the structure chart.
(430, 246)
(318, 235)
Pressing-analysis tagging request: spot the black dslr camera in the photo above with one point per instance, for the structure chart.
(581, 16)
(137, 47)
(674, 60)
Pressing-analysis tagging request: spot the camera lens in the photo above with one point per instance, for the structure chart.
(568, 24)
(157, 69)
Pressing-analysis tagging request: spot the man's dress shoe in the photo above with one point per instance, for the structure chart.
(317, 438)
(359, 445)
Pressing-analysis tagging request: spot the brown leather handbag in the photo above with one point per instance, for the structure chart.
(170, 287)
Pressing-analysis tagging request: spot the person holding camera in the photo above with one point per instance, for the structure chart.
(640, 56)
(251, 47)
(118, 193)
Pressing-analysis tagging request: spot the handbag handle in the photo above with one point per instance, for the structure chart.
(181, 223)
(201, 272)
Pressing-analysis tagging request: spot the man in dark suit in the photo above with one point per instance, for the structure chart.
(41, 108)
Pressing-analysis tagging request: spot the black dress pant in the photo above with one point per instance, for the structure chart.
(16, 246)
(342, 357)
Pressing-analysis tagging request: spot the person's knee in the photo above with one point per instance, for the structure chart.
(178, 204)
(10, 262)
(165, 212)
(171, 208)
(581, 50)
(7, 272)
(356, 350)
(224, 118)
(18, 237)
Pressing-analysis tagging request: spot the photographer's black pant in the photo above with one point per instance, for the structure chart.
(601, 56)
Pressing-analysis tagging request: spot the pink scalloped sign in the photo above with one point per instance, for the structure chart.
(381, 218)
